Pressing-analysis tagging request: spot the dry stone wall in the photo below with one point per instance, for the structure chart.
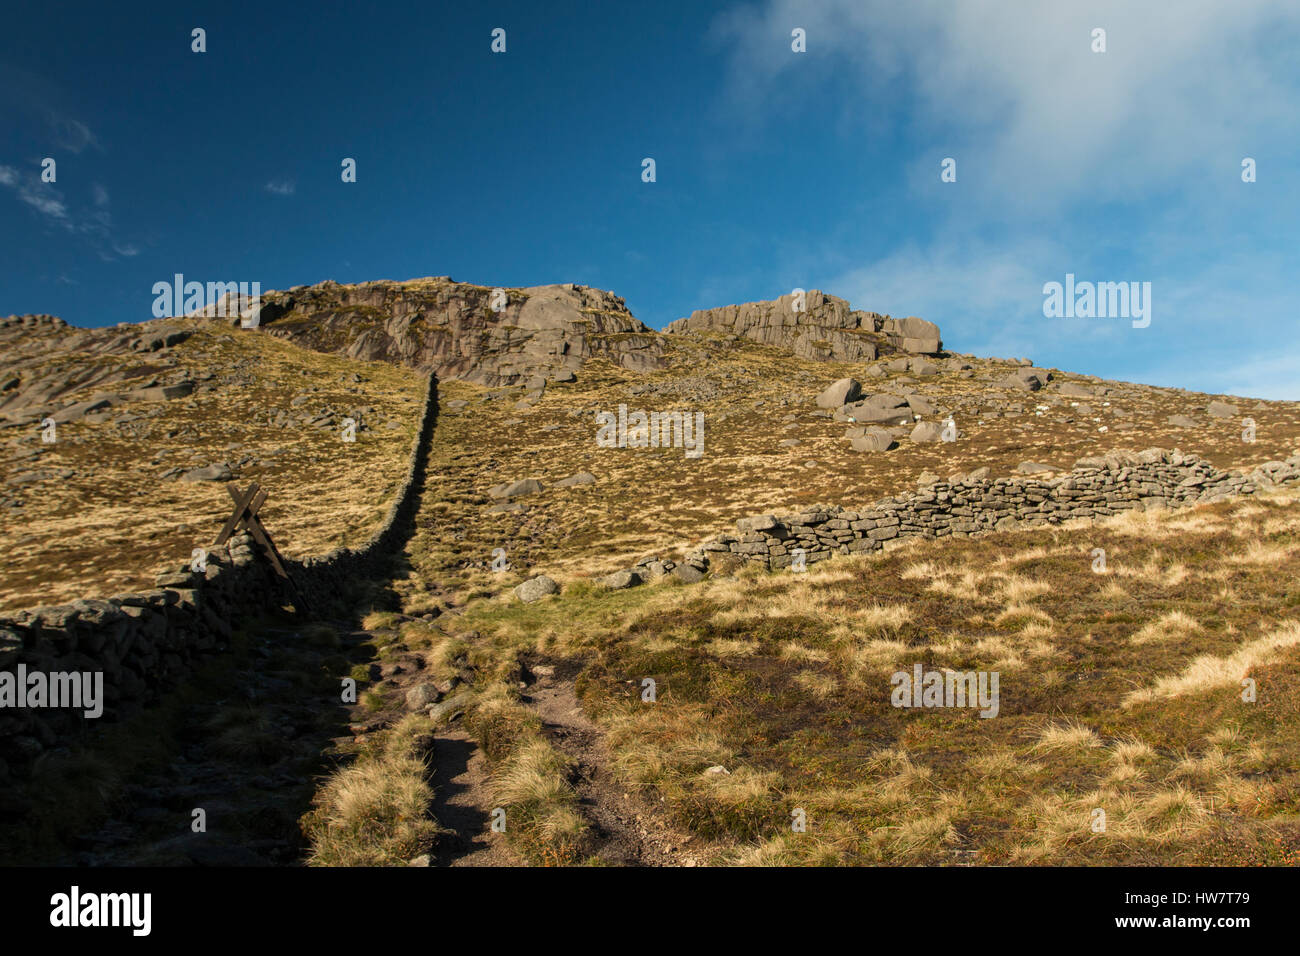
(967, 505)
(976, 504)
(144, 643)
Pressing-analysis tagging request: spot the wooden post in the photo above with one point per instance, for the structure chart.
(248, 503)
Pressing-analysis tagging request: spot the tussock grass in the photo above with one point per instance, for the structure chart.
(375, 812)
(530, 780)
(1209, 672)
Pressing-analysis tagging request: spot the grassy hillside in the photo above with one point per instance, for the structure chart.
(1119, 691)
(104, 507)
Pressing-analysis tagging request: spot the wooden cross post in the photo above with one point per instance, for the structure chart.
(247, 504)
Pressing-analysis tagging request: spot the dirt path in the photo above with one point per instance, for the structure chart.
(628, 831)
(463, 805)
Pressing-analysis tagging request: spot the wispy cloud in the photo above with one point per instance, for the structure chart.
(281, 187)
(94, 223)
(42, 197)
(70, 134)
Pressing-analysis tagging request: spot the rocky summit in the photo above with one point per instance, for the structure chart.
(490, 336)
(509, 336)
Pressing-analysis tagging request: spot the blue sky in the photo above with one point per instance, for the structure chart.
(775, 169)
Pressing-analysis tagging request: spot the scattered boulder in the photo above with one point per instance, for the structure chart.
(926, 432)
(1028, 378)
(450, 707)
(688, 573)
(920, 405)
(421, 696)
(1033, 468)
(534, 589)
(1218, 409)
(873, 439)
(840, 393)
(516, 489)
(621, 579)
(882, 409)
(581, 478)
(218, 472)
(1182, 421)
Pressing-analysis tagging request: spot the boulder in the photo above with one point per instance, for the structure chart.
(581, 478)
(882, 409)
(873, 439)
(1182, 421)
(217, 472)
(1218, 409)
(920, 405)
(840, 393)
(621, 579)
(516, 489)
(1028, 378)
(421, 696)
(534, 589)
(688, 573)
(926, 432)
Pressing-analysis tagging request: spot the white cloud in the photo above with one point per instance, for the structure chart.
(281, 187)
(1068, 161)
(1015, 93)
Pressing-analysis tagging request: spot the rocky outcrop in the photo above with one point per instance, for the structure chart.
(453, 329)
(43, 360)
(825, 330)
(508, 336)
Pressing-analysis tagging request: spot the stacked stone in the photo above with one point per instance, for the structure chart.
(975, 504)
(142, 643)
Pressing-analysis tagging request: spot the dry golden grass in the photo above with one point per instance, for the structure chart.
(375, 812)
(1118, 698)
(101, 521)
(1209, 672)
